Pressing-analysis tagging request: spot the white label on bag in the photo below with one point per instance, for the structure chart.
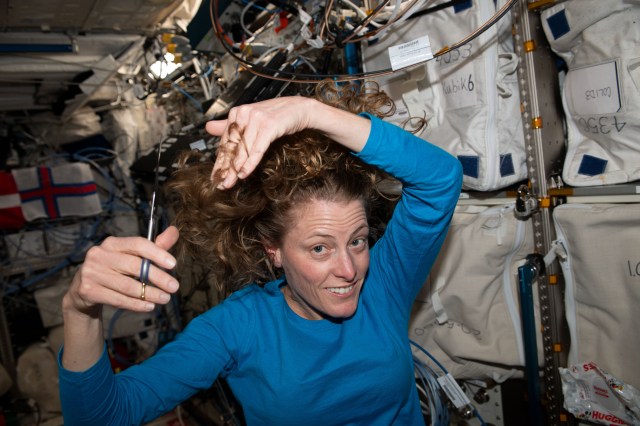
(594, 90)
(453, 390)
(459, 88)
(410, 53)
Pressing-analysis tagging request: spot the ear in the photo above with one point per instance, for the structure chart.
(274, 254)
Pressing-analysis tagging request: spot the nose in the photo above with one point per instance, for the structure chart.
(345, 266)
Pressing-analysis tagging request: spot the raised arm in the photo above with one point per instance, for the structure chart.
(431, 181)
(257, 125)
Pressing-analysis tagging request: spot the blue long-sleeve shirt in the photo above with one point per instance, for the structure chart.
(286, 370)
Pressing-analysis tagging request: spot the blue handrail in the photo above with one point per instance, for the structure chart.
(527, 274)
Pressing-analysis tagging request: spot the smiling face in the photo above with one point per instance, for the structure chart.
(325, 256)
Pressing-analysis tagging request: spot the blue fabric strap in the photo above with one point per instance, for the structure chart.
(470, 165)
(506, 165)
(592, 166)
(558, 24)
(464, 5)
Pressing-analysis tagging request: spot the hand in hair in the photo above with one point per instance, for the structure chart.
(250, 129)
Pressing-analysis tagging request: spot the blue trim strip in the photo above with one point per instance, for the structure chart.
(34, 48)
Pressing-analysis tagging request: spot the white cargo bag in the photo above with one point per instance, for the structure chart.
(467, 315)
(470, 95)
(599, 251)
(599, 41)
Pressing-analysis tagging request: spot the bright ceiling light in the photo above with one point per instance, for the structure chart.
(161, 69)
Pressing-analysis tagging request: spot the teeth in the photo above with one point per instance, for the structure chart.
(341, 290)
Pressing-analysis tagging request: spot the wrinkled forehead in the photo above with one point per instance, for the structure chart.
(319, 210)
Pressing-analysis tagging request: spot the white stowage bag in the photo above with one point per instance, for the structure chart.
(598, 250)
(467, 315)
(469, 95)
(599, 42)
(37, 378)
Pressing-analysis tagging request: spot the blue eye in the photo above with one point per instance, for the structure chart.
(318, 249)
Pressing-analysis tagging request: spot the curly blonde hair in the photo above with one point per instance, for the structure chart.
(228, 229)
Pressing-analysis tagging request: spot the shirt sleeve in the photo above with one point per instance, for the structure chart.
(431, 182)
(141, 393)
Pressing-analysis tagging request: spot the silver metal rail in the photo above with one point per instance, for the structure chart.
(544, 141)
